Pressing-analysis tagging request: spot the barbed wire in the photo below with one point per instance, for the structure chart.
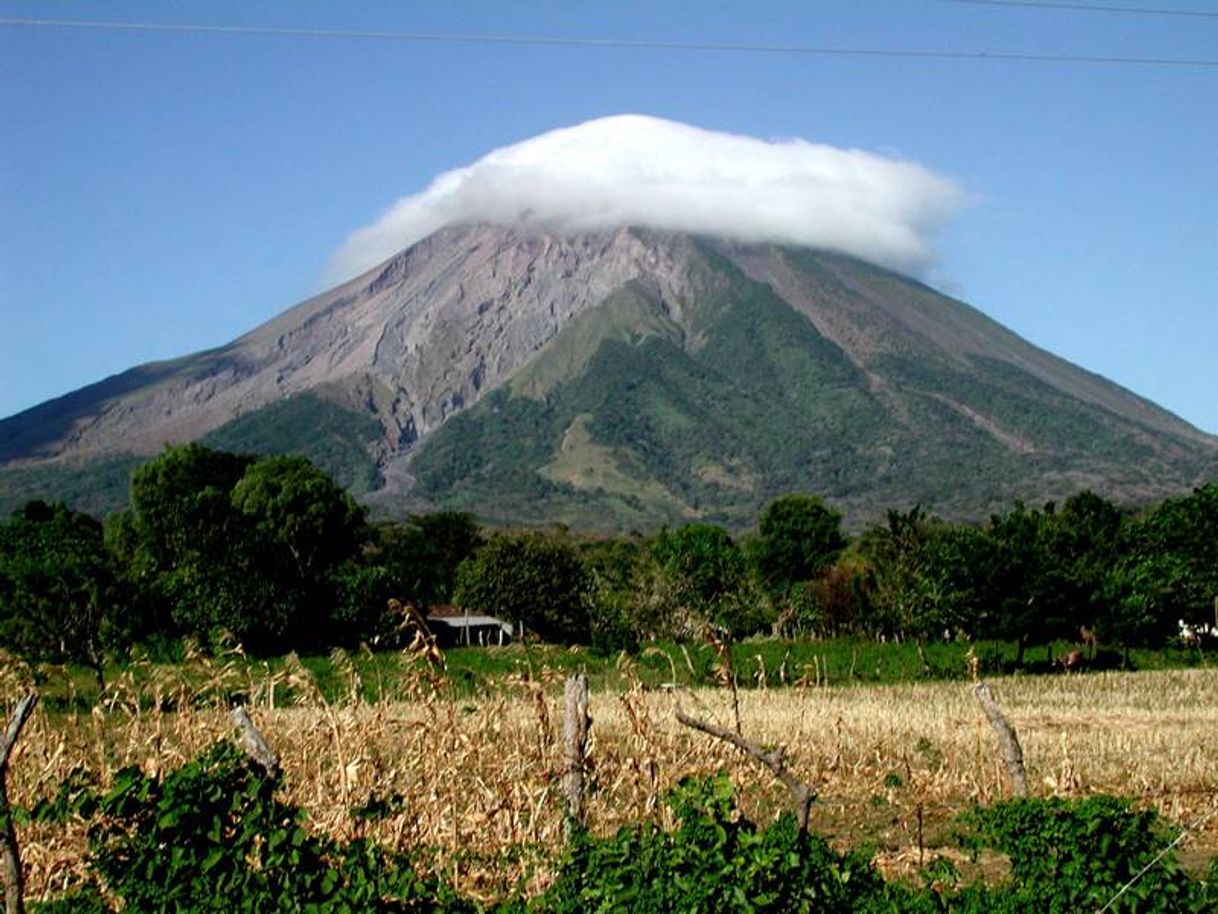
(1159, 856)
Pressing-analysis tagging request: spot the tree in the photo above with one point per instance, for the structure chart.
(57, 587)
(632, 598)
(538, 582)
(299, 513)
(1083, 543)
(709, 577)
(1029, 604)
(837, 601)
(422, 555)
(181, 501)
(1165, 570)
(1184, 533)
(1137, 590)
(910, 593)
(228, 541)
(799, 539)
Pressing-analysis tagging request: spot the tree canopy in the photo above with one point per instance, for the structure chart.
(534, 581)
(58, 599)
(798, 540)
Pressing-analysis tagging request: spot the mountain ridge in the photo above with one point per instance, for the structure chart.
(473, 310)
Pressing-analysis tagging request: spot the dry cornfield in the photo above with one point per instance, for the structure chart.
(480, 777)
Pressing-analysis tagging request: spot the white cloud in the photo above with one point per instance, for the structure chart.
(638, 170)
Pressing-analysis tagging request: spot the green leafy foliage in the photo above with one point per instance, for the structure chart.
(213, 836)
(798, 539)
(274, 552)
(421, 556)
(1075, 855)
(532, 580)
(59, 599)
(714, 861)
(925, 574)
(710, 578)
(1168, 571)
(298, 512)
(250, 546)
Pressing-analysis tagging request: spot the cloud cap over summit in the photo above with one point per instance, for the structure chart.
(638, 170)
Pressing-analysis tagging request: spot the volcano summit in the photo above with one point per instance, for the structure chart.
(626, 378)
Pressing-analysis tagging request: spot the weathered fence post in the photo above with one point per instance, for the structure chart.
(10, 853)
(1007, 739)
(254, 744)
(575, 726)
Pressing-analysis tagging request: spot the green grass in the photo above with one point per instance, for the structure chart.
(759, 662)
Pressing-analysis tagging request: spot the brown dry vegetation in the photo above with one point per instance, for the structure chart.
(480, 776)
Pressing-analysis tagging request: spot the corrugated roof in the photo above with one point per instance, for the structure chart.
(462, 621)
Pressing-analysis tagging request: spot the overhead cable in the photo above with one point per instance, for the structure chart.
(615, 43)
(1094, 8)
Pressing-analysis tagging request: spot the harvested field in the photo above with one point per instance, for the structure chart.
(480, 777)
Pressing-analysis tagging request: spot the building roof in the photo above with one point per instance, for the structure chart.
(462, 621)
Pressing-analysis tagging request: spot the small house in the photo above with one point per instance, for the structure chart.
(455, 627)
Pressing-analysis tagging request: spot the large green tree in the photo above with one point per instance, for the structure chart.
(1165, 571)
(709, 578)
(537, 582)
(58, 600)
(302, 519)
(1084, 541)
(1031, 599)
(919, 585)
(250, 546)
(421, 556)
(181, 505)
(633, 600)
(799, 538)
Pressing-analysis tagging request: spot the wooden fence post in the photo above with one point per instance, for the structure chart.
(254, 744)
(10, 853)
(575, 727)
(1007, 739)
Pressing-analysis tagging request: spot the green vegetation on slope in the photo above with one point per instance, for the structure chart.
(630, 418)
(629, 314)
(97, 488)
(751, 402)
(336, 439)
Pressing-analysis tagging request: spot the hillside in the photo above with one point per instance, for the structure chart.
(627, 379)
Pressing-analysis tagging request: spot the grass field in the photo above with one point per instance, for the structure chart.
(472, 772)
(759, 662)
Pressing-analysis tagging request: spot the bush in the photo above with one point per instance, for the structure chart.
(715, 861)
(213, 837)
(1075, 855)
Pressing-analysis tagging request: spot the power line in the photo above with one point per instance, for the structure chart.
(1093, 8)
(559, 41)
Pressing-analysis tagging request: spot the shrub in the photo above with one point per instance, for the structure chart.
(715, 861)
(1075, 855)
(213, 837)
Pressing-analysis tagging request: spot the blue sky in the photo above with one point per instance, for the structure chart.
(162, 193)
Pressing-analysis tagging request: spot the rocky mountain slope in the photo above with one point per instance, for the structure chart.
(627, 378)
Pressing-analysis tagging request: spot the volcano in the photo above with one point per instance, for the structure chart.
(625, 379)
